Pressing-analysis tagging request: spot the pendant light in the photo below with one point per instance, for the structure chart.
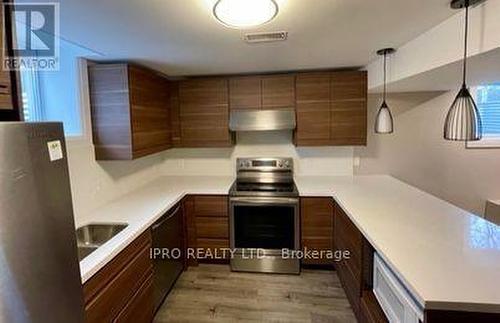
(384, 124)
(463, 122)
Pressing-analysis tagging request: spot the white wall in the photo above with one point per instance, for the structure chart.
(94, 184)
(308, 161)
(417, 153)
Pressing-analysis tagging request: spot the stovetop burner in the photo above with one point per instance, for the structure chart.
(260, 189)
(264, 177)
(256, 187)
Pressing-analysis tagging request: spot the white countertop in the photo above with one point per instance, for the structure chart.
(446, 257)
(140, 209)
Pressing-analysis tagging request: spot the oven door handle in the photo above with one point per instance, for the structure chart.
(264, 200)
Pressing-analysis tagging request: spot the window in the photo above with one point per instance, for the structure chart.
(488, 103)
(55, 95)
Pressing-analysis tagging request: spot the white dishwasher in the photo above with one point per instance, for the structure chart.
(397, 303)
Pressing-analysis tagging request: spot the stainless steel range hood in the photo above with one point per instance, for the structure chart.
(262, 120)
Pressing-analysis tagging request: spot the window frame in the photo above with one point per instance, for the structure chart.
(83, 100)
(488, 141)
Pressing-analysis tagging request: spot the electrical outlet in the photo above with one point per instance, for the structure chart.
(357, 161)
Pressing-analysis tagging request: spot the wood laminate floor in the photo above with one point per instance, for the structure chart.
(212, 293)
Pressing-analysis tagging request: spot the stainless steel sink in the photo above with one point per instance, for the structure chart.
(91, 236)
(84, 251)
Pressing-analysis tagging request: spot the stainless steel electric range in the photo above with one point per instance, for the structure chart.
(264, 216)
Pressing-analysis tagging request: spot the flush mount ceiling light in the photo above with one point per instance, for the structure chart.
(384, 123)
(245, 13)
(463, 122)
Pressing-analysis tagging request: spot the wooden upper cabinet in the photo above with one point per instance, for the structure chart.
(204, 113)
(262, 92)
(245, 92)
(130, 111)
(331, 109)
(313, 109)
(313, 87)
(149, 100)
(278, 91)
(349, 108)
(175, 121)
(201, 93)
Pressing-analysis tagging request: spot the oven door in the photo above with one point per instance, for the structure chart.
(268, 223)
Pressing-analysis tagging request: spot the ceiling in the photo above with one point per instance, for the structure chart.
(181, 37)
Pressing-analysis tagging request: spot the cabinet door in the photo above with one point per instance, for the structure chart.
(130, 111)
(204, 114)
(313, 109)
(207, 224)
(317, 226)
(278, 91)
(110, 111)
(140, 308)
(348, 108)
(150, 113)
(348, 237)
(245, 92)
(175, 121)
(108, 292)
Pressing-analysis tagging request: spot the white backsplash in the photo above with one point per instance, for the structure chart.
(312, 161)
(97, 183)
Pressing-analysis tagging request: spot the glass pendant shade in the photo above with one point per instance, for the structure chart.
(384, 123)
(463, 122)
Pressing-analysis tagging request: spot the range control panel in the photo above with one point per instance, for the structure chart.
(265, 164)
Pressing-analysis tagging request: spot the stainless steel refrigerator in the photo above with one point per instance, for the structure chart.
(39, 268)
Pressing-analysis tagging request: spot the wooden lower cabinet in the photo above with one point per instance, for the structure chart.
(122, 289)
(370, 310)
(207, 225)
(355, 273)
(140, 309)
(316, 214)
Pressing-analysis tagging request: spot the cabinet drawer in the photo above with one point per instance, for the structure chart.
(353, 264)
(347, 234)
(140, 309)
(114, 296)
(115, 266)
(207, 206)
(212, 227)
(351, 284)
